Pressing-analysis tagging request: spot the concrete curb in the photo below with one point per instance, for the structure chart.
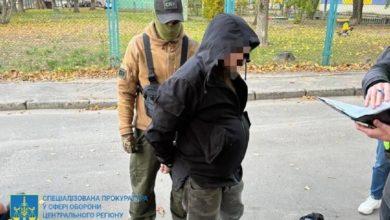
(110, 103)
(58, 104)
(8, 106)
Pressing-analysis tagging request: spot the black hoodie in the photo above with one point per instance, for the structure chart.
(207, 118)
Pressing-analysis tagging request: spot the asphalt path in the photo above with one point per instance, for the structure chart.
(303, 157)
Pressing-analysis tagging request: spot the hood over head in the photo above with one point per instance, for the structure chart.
(225, 34)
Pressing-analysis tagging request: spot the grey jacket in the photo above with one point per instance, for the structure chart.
(380, 72)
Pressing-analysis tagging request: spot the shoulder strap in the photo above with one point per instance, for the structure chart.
(184, 50)
(149, 59)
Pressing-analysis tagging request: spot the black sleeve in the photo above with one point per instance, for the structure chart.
(380, 72)
(174, 107)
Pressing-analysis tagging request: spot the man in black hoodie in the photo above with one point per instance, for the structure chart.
(201, 107)
(376, 87)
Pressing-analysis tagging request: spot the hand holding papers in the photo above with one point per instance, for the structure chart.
(363, 115)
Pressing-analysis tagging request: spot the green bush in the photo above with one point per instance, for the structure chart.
(212, 7)
(307, 7)
(241, 7)
(195, 7)
(242, 3)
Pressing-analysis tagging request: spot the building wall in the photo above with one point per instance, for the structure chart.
(372, 9)
(370, 6)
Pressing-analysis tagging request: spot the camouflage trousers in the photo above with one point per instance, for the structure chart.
(213, 203)
(143, 170)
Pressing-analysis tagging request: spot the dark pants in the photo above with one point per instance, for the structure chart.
(213, 203)
(143, 171)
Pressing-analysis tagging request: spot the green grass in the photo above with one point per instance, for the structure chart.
(66, 41)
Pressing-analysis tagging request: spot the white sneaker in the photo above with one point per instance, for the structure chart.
(368, 206)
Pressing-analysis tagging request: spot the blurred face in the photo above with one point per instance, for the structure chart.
(168, 31)
(172, 27)
(237, 57)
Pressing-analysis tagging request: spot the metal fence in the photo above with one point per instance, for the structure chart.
(300, 41)
(61, 40)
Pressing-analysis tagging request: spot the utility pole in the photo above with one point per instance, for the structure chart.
(330, 27)
(113, 31)
(230, 6)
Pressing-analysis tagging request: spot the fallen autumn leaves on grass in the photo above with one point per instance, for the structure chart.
(41, 45)
(89, 73)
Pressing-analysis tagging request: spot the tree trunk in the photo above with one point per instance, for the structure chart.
(41, 4)
(27, 4)
(54, 5)
(30, 4)
(298, 17)
(310, 15)
(256, 14)
(357, 12)
(262, 24)
(93, 5)
(76, 6)
(360, 11)
(354, 9)
(313, 9)
(6, 11)
(20, 6)
(14, 8)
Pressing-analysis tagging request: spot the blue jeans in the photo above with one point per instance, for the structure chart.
(380, 172)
